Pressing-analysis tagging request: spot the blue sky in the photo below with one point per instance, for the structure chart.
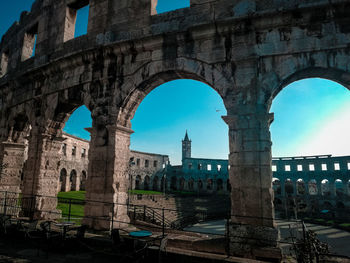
(311, 116)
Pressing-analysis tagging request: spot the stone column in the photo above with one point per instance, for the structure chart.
(12, 157)
(41, 175)
(252, 226)
(108, 180)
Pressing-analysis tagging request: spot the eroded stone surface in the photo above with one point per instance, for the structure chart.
(246, 53)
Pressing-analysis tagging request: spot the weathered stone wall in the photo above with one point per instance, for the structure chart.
(248, 51)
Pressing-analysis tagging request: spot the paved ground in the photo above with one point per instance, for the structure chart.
(339, 240)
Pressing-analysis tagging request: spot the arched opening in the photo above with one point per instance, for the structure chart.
(210, 184)
(191, 184)
(228, 185)
(220, 185)
(339, 188)
(301, 187)
(200, 185)
(325, 188)
(276, 185)
(182, 184)
(83, 181)
(155, 183)
(154, 129)
(313, 187)
(63, 180)
(288, 186)
(173, 183)
(138, 182)
(73, 180)
(146, 182)
(164, 185)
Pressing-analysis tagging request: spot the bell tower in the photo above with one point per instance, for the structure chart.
(186, 147)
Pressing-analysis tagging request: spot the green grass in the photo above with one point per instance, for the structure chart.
(73, 195)
(144, 192)
(345, 225)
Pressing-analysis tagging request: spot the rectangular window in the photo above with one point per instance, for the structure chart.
(199, 166)
(146, 163)
(336, 166)
(74, 150)
(64, 149)
(138, 162)
(274, 168)
(163, 165)
(77, 18)
(219, 167)
(29, 42)
(4, 63)
(209, 167)
(348, 166)
(299, 167)
(311, 167)
(324, 167)
(155, 164)
(190, 166)
(287, 168)
(83, 153)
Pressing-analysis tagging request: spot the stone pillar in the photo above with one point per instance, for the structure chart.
(41, 175)
(108, 180)
(12, 157)
(332, 188)
(252, 228)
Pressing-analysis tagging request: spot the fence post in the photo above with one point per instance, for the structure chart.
(144, 213)
(5, 204)
(70, 207)
(163, 223)
(112, 226)
(134, 212)
(228, 234)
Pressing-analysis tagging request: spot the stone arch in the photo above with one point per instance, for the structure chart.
(210, 184)
(289, 187)
(276, 185)
(63, 180)
(155, 183)
(182, 184)
(164, 185)
(83, 180)
(219, 185)
(138, 182)
(228, 185)
(154, 74)
(300, 187)
(191, 184)
(312, 185)
(73, 177)
(325, 188)
(173, 183)
(146, 183)
(339, 188)
(302, 70)
(200, 185)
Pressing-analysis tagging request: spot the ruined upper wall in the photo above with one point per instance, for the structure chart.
(116, 21)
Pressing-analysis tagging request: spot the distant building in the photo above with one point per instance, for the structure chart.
(311, 181)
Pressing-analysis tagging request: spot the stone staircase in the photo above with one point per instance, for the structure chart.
(182, 211)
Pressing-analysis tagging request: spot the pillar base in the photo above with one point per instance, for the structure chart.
(256, 242)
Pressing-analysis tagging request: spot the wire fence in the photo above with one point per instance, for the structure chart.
(70, 209)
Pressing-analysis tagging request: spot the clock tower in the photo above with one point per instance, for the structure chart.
(186, 147)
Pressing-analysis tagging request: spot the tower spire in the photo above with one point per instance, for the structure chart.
(186, 147)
